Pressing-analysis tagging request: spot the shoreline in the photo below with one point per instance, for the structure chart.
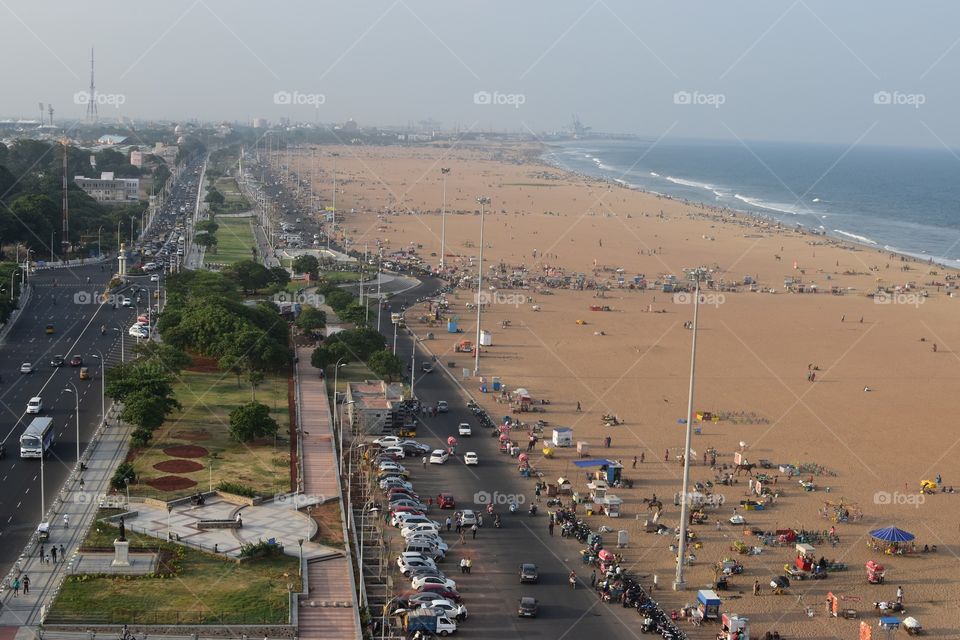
(858, 241)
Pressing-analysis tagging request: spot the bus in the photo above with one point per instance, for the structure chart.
(37, 439)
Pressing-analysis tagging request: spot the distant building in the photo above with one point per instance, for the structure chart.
(136, 158)
(111, 140)
(167, 152)
(109, 190)
(372, 405)
(260, 123)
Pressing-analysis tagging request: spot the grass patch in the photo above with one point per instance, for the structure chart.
(206, 589)
(234, 240)
(329, 524)
(353, 372)
(338, 277)
(208, 397)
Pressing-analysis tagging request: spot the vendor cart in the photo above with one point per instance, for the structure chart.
(583, 449)
(611, 505)
(564, 487)
(563, 437)
(734, 627)
(708, 603)
(875, 572)
(43, 531)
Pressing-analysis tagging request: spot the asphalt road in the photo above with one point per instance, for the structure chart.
(64, 299)
(493, 589)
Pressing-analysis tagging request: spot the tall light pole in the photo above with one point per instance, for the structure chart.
(120, 331)
(443, 218)
(483, 200)
(678, 583)
(13, 275)
(43, 499)
(395, 323)
(103, 385)
(76, 396)
(333, 225)
(413, 364)
(379, 299)
(336, 375)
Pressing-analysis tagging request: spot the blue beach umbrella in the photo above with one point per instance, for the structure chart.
(892, 534)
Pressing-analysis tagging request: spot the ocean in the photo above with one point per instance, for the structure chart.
(901, 200)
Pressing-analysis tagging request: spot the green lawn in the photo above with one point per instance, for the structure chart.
(234, 241)
(339, 277)
(208, 397)
(198, 588)
(231, 192)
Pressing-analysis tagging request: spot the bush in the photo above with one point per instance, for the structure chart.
(237, 489)
(124, 472)
(141, 437)
(260, 548)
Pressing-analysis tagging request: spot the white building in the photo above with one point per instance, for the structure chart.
(110, 190)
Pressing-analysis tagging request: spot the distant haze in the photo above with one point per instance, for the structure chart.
(877, 73)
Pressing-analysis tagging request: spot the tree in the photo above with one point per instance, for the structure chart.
(147, 411)
(280, 276)
(327, 355)
(205, 239)
(250, 421)
(338, 299)
(386, 365)
(307, 264)
(311, 319)
(250, 275)
(214, 197)
(355, 314)
(167, 356)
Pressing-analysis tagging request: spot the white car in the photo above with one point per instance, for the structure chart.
(413, 529)
(442, 406)
(26, 367)
(470, 457)
(397, 451)
(432, 539)
(155, 277)
(394, 481)
(464, 429)
(35, 405)
(139, 331)
(407, 518)
(420, 581)
(406, 565)
(127, 302)
(393, 467)
(387, 441)
(468, 518)
(452, 609)
(439, 456)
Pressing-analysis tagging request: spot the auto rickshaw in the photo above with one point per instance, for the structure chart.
(50, 329)
(43, 531)
(84, 373)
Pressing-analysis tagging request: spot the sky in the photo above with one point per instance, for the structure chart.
(865, 72)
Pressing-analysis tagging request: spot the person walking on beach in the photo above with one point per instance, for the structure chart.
(579, 410)
(666, 455)
(756, 587)
(642, 456)
(900, 595)
(634, 462)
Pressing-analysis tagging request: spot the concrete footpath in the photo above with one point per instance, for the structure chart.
(78, 502)
(329, 609)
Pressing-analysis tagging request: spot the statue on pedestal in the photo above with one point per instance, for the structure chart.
(123, 531)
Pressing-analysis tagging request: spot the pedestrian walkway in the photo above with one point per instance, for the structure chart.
(79, 504)
(329, 609)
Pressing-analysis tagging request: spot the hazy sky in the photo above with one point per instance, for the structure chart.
(767, 69)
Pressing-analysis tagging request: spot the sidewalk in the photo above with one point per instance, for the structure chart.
(329, 609)
(106, 450)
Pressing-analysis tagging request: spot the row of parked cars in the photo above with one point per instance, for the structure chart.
(432, 605)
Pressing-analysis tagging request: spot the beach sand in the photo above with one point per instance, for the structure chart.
(755, 350)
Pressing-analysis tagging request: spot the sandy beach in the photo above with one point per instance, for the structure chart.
(876, 418)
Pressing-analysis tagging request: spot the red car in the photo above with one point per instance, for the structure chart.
(446, 501)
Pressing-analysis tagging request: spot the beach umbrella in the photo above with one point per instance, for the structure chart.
(452, 441)
(892, 534)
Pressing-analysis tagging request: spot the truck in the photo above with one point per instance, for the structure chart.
(429, 620)
(37, 438)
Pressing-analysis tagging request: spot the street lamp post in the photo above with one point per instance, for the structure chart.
(395, 337)
(12, 276)
(336, 375)
(413, 364)
(483, 200)
(443, 217)
(120, 331)
(679, 583)
(76, 396)
(300, 569)
(103, 386)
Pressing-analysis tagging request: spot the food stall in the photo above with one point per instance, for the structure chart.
(563, 437)
(806, 557)
(598, 489)
(734, 627)
(564, 487)
(583, 449)
(611, 505)
(708, 604)
(875, 572)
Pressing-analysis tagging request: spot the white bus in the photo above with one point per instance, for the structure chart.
(37, 439)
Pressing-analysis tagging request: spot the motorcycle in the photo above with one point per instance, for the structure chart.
(490, 509)
(513, 507)
(572, 579)
(532, 510)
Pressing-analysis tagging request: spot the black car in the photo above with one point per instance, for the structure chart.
(56, 361)
(528, 607)
(528, 573)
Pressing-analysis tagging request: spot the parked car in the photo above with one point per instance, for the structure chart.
(438, 456)
(452, 609)
(529, 573)
(446, 501)
(464, 429)
(418, 582)
(470, 458)
(387, 441)
(527, 607)
(468, 517)
(394, 481)
(406, 532)
(397, 451)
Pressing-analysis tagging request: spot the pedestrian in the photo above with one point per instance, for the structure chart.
(899, 595)
(429, 501)
(42, 554)
(939, 479)
(460, 531)
(550, 527)
(26, 584)
(463, 565)
(666, 455)
(479, 520)
(63, 554)
(756, 587)
(53, 553)
(718, 525)
(16, 587)
(537, 493)
(469, 564)
(473, 529)
(66, 521)
(449, 524)
(634, 462)
(934, 347)
(593, 578)
(459, 525)
(424, 462)
(641, 457)
(607, 441)
(843, 318)
(579, 410)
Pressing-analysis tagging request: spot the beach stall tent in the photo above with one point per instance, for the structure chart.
(563, 437)
(708, 603)
(611, 505)
(609, 468)
(486, 338)
(892, 534)
(734, 627)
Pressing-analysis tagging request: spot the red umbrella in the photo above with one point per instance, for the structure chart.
(504, 437)
(523, 457)
(452, 441)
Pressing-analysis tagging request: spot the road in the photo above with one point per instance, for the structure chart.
(62, 298)
(492, 590)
